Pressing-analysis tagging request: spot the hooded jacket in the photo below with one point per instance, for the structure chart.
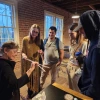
(89, 82)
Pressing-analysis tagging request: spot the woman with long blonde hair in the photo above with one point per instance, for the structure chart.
(78, 43)
(30, 47)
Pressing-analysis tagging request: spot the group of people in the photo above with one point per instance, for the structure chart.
(83, 72)
(88, 80)
(34, 49)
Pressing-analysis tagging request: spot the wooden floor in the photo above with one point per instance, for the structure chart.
(62, 79)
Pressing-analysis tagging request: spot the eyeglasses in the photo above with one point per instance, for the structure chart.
(35, 32)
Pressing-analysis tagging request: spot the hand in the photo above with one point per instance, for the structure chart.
(33, 64)
(24, 56)
(40, 52)
(59, 62)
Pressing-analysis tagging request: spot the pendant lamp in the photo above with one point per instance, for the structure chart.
(75, 16)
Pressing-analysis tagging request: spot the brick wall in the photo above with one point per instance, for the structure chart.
(32, 11)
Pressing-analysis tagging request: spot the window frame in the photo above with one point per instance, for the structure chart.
(54, 22)
(15, 12)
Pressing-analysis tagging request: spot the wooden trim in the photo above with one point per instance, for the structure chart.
(77, 94)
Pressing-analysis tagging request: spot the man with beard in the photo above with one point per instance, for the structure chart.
(53, 55)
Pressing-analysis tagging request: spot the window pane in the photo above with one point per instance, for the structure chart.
(3, 35)
(48, 23)
(58, 34)
(9, 22)
(6, 23)
(52, 19)
(6, 34)
(8, 10)
(2, 9)
(2, 41)
(4, 20)
(59, 25)
(11, 33)
(1, 22)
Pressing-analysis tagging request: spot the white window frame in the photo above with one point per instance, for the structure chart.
(16, 29)
(54, 17)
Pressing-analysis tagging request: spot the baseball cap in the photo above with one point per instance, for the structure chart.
(78, 27)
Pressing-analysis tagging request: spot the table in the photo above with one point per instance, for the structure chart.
(57, 92)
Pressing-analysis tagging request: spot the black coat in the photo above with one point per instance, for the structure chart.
(89, 82)
(9, 84)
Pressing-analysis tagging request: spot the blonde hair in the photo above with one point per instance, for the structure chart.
(37, 39)
(81, 39)
(74, 41)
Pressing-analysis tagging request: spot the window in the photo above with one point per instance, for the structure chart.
(52, 19)
(8, 22)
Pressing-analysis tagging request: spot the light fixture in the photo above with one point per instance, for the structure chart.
(75, 16)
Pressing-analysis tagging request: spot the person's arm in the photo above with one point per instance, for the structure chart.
(42, 49)
(94, 88)
(61, 53)
(60, 57)
(84, 48)
(23, 56)
(31, 68)
(10, 77)
(42, 46)
(41, 52)
(24, 49)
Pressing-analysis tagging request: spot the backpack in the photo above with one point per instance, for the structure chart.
(57, 43)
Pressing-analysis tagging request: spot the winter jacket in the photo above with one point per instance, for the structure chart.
(9, 84)
(89, 82)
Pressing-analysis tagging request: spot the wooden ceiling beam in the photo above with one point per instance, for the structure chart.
(79, 3)
(79, 9)
(65, 2)
(71, 5)
(65, 7)
(83, 9)
(92, 7)
(55, 1)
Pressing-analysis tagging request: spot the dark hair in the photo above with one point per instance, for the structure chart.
(9, 45)
(53, 28)
(73, 26)
(37, 39)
